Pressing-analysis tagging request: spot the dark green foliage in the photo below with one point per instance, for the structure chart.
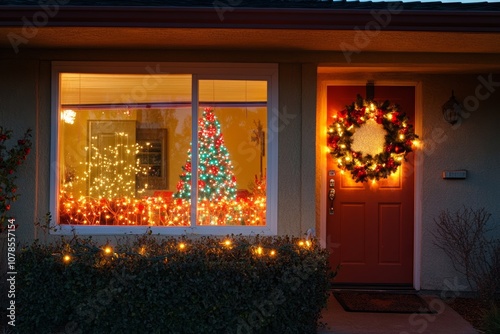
(11, 157)
(491, 321)
(151, 285)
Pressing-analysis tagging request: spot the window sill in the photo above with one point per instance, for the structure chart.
(137, 230)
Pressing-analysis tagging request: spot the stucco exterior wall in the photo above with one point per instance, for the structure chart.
(19, 110)
(473, 145)
(296, 191)
(25, 96)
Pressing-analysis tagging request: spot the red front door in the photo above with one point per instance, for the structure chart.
(371, 224)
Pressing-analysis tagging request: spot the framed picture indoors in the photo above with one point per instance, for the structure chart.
(152, 159)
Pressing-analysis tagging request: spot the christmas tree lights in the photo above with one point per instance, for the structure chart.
(216, 180)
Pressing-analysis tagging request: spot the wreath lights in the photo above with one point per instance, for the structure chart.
(399, 140)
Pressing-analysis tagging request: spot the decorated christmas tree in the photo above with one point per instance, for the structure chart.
(216, 180)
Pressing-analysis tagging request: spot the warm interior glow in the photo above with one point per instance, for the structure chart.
(107, 174)
(108, 250)
(66, 258)
(182, 246)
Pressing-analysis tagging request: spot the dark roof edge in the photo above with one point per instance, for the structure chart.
(393, 17)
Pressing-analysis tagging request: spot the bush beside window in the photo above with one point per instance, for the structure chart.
(174, 285)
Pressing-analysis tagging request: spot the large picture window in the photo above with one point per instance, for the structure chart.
(172, 148)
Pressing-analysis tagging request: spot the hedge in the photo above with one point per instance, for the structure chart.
(173, 285)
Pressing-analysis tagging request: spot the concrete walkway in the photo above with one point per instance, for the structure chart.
(445, 321)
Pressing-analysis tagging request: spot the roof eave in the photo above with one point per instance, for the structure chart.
(393, 17)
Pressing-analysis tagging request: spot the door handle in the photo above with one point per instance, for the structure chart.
(331, 194)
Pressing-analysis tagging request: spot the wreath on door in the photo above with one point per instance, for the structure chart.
(399, 139)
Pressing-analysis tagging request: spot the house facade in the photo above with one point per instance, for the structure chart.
(126, 102)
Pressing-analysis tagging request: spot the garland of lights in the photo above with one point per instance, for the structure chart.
(399, 139)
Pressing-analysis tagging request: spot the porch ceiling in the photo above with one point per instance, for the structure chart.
(254, 39)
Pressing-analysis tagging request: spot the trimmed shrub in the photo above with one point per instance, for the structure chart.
(173, 285)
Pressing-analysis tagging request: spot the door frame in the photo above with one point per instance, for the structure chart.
(418, 160)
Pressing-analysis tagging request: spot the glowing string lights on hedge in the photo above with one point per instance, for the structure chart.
(258, 250)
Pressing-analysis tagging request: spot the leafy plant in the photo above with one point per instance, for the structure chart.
(491, 321)
(150, 284)
(10, 160)
(465, 237)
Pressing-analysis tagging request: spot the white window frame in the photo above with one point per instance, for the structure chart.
(199, 71)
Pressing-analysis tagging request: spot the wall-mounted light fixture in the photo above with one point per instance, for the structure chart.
(452, 110)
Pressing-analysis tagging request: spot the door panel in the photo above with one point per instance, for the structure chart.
(352, 225)
(372, 223)
(389, 233)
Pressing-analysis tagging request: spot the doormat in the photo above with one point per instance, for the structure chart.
(382, 302)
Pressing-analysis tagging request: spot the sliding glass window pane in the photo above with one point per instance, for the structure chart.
(232, 152)
(121, 140)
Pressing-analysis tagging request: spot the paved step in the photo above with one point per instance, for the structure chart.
(445, 321)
